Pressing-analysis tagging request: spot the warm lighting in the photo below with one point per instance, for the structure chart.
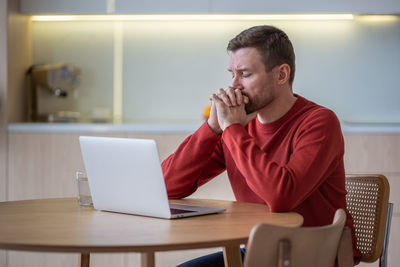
(192, 17)
(377, 18)
(118, 70)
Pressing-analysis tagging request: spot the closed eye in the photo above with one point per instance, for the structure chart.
(243, 74)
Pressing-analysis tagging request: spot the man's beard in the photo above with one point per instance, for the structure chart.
(253, 106)
(249, 108)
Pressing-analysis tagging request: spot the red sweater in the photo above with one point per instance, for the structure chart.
(292, 164)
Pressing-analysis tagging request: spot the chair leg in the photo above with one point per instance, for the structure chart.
(383, 258)
(85, 260)
(232, 256)
(147, 259)
(284, 259)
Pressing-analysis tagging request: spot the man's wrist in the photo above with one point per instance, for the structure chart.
(227, 124)
(216, 130)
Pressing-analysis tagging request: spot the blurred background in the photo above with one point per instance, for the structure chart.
(145, 69)
(167, 68)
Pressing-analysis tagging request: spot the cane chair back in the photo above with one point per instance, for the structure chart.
(272, 246)
(367, 201)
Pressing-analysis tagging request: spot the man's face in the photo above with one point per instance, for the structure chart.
(249, 75)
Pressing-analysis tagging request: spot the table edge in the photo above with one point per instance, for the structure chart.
(124, 249)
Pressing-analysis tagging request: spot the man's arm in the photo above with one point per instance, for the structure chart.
(197, 160)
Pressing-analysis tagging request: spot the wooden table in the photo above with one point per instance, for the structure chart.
(61, 225)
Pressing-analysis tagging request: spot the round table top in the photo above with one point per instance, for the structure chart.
(61, 225)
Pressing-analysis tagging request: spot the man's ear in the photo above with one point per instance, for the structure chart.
(283, 74)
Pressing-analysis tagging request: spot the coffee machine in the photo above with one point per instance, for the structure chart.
(51, 91)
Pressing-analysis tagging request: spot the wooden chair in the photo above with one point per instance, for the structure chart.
(367, 201)
(271, 245)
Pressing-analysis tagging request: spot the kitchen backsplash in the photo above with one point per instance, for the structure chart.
(164, 71)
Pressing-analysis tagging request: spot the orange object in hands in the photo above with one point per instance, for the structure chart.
(206, 111)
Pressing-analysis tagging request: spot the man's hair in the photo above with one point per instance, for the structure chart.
(272, 43)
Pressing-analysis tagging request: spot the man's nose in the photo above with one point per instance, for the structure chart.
(236, 83)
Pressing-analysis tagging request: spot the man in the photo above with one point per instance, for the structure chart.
(277, 147)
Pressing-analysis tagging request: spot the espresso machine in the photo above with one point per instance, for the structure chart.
(51, 91)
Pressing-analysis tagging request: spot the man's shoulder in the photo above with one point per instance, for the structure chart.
(313, 110)
(315, 115)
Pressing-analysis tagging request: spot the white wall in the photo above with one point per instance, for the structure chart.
(3, 110)
(3, 99)
(170, 68)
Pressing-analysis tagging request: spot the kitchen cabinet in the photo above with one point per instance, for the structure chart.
(161, 6)
(306, 6)
(63, 7)
(209, 6)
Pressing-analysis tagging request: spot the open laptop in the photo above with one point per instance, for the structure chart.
(125, 176)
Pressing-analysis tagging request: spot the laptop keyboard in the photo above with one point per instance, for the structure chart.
(179, 211)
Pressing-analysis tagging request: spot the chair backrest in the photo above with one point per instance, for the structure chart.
(272, 246)
(367, 201)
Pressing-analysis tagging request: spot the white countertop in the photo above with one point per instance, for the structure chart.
(370, 128)
(100, 128)
(347, 128)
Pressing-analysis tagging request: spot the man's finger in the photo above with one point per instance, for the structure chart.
(224, 97)
(239, 97)
(232, 96)
(216, 99)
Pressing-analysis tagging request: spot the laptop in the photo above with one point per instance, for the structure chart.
(125, 176)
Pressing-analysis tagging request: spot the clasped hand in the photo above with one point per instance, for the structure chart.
(228, 107)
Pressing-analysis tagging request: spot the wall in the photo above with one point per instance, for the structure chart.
(3, 99)
(19, 60)
(3, 110)
(169, 68)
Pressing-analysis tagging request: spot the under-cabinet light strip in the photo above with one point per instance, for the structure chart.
(193, 17)
(118, 72)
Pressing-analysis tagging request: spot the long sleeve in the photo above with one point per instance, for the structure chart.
(197, 160)
(292, 164)
(316, 150)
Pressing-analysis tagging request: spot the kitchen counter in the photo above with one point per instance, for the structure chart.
(370, 128)
(347, 128)
(100, 128)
